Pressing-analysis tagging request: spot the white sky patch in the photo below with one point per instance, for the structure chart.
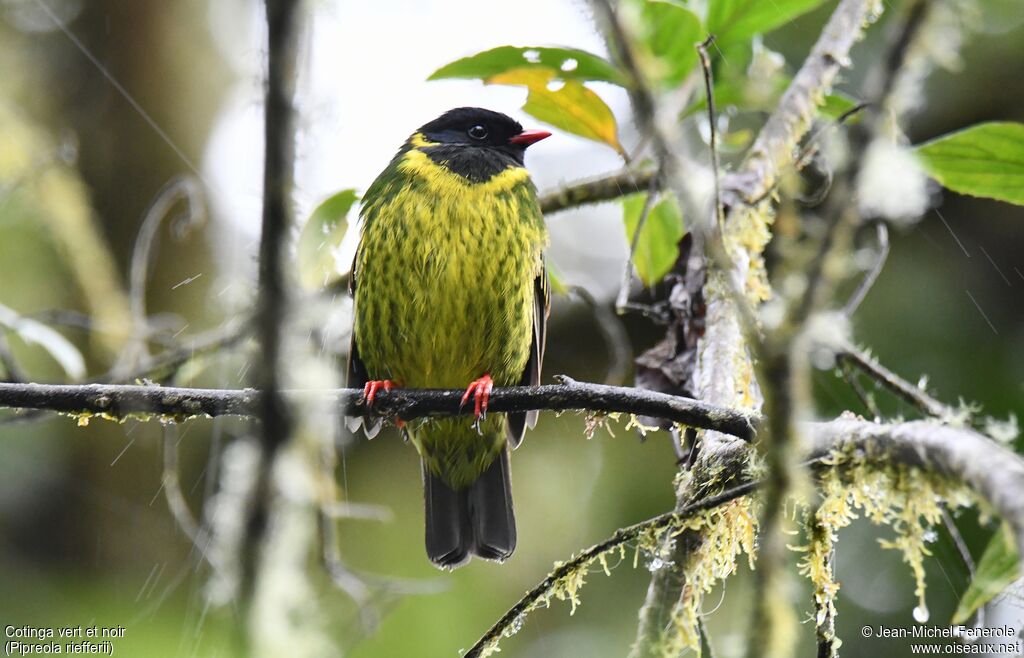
(363, 90)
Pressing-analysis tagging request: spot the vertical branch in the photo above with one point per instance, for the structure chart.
(709, 94)
(824, 598)
(724, 370)
(784, 374)
(272, 302)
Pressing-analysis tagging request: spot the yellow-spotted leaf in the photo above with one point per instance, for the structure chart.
(658, 245)
(320, 239)
(567, 63)
(565, 104)
(986, 160)
(738, 20)
(999, 566)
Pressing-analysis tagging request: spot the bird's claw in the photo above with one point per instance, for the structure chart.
(480, 389)
(372, 387)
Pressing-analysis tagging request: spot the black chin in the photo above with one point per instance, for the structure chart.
(478, 164)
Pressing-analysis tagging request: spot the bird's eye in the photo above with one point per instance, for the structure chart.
(478, 132)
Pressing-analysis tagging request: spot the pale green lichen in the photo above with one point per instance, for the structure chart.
(82, 418)
(634, 423)
(729, 530)
(725, 533)
(908, 499)
(596, 420)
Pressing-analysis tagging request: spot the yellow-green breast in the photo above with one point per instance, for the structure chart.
(445, 293)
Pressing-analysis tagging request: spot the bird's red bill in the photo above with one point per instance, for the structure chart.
(528, 137)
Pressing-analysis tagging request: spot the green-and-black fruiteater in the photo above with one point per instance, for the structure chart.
(450, 290)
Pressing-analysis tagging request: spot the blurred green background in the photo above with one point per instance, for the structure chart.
(85, 534)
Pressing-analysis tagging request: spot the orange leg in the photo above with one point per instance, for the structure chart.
(373, 386)
(371, 389)
(480, 389)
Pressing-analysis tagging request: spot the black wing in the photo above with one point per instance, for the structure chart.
(520, 420)
(356, 371)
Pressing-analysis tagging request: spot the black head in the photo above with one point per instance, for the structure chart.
(477, 143)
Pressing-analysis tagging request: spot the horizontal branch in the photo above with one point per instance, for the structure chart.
(118, 401)
(628, 181)
(989, 469)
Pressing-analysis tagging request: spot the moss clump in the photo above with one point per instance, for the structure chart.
(726, 532)
(859, 482)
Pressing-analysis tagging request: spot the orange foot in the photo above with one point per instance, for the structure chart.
(373, 386)
(371, 389)
(480, 389)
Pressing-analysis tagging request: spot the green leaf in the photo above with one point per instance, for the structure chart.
(836, 105)
(670, 36)
(657, 248)
(565, 63)
(555, 279)
(999, 566)
(986, 160)
(37, 333)
(320, 239)
(738, 20)
(565, 104)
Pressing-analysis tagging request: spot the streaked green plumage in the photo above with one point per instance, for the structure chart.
(449, 287)
(448, 274)
(445, 294)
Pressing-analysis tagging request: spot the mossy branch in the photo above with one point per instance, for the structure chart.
(120, 401)
(993, 472)
(623, 536)
(775, 145)
(987, 468)
(605, 188)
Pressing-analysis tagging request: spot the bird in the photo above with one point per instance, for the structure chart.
(450, 290)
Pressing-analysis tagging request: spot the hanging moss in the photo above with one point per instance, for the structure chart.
(867, 483)
(726, 533)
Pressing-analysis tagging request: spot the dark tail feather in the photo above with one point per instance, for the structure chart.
(449, 535)
(478, 520)
(490, 511)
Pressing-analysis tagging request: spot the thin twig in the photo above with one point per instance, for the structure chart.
(12, 371)
(171, 481)
(896, 384)
(865, 398)
(121, 400)
(706, 648)
(882, 235)
(965, 555)
(622, 299)
(811, 146)
(709, 92)
(825, 622)
(180, 189)
(167, 363)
